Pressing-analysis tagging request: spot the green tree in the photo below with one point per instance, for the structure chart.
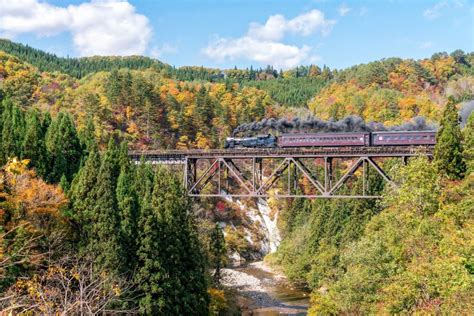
(63, 148)
(172, 266)
(469, 143)
(33, 143)
(87, 137)
(151, 273)
(217, 251)
(82, 196)
(127, 202)
(13, 130)
(143, 180)
(104, 241)
(448, 150)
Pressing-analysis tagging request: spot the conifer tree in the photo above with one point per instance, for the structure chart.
(185, 291)
(13, 130)
(151, 273)
(63, 148)
(33, 143)
(143, 180)
(82, 195)
(127, 202)
(46, 122)
(172, 266)
(218, 252)
(104, 241)
(469, 143)
(448, 151)
(87, 137)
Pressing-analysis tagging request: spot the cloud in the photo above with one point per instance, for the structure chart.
(265, 52)
(263, 43)
(426, 45)
(99, 27)
(165, 49)
(436, 10)
(343, 9)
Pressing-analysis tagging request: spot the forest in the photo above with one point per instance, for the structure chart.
(83, 231)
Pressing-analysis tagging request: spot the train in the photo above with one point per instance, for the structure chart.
(385, 138)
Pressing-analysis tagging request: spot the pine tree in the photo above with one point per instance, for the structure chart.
(82, 195)
(33, 143)
(143, 179)
(218, 252)
(46, 122)
(448, 150)
(469, 143)
(87, 138)
(127, 202)
(151, 274)
(186, 291)
(172, 270)
(104, 242)
(63, 148)
(13, 130)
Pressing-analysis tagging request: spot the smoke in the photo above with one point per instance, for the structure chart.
(466, 110)
(311, 124)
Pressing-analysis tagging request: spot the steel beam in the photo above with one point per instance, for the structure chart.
(253, 183)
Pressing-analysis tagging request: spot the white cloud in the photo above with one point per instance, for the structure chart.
(99, 27)
(266, 52)
(262, 43)
(304, 24)
(343, 9)
(426, 45)
(436, 10)
(165, 49)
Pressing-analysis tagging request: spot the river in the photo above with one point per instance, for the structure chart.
(264, 292)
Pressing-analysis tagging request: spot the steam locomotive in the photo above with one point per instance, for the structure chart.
(393, 138)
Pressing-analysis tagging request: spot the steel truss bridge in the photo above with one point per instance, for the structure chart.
(254, 173)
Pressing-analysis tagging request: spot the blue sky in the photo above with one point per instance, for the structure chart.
(243, 33)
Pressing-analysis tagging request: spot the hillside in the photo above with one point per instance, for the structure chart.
(75, 212)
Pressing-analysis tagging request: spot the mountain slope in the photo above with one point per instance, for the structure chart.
(76, 67)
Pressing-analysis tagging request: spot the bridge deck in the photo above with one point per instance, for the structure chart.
(337, 152)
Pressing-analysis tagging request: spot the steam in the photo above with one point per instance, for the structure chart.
(315, 125)
(466, 110)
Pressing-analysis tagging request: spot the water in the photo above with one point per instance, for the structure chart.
(279, 297)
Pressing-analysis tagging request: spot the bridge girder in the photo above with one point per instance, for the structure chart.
(290, 169)
(241, 172)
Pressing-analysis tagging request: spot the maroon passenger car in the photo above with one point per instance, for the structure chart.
(324, 140)
(405, 138)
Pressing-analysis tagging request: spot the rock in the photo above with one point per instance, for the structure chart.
(236, 259)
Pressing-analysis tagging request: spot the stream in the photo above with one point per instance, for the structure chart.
(264, 292)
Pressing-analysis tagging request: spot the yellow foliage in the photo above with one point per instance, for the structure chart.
(218, 301)
(201, 141)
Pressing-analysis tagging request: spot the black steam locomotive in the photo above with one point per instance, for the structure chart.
(393, 138)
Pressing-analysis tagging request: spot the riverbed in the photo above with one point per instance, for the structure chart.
(264, 292)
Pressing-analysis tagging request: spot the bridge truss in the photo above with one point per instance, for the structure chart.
(340, 172)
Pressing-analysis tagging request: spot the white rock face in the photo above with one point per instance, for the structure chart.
(273, 234)
(259, 225)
